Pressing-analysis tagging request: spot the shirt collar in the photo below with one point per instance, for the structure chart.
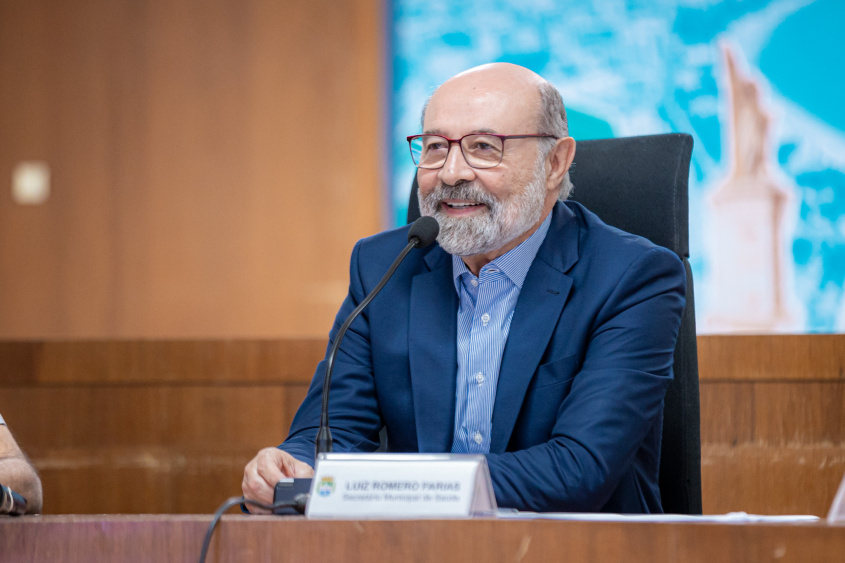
(514, 263)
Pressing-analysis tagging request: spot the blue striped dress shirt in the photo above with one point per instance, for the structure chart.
(486, 308)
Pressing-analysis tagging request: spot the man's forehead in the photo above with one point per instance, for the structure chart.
(468, 131)
(489, 85)
(476, 107)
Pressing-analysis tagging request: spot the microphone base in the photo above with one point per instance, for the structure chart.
(286, 491)
(323, 444)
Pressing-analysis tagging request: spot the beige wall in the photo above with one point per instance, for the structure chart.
(212, 164)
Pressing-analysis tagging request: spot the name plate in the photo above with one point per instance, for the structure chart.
(401, 486)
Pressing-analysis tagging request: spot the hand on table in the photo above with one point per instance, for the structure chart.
(265, 470)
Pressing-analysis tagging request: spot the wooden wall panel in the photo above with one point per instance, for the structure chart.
(771, 357)
(150, 426)
(167, 426)
(212, 163)
(765, 479)
(183, 362)
(149, 448)
(772, 422)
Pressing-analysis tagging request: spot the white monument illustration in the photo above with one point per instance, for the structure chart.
(748, 252)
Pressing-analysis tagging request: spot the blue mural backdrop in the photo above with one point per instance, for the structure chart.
(757, 83)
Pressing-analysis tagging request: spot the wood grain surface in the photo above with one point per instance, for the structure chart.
(212, 164)
(772, 422)
(242, 538)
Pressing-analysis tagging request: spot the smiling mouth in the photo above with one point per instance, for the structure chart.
(462, 205)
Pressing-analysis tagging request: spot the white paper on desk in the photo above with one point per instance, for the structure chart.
(837, 508)
(732, 517)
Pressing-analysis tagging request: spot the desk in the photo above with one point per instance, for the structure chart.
(129, 538)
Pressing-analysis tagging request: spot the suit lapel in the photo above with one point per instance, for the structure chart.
(432, 352)
(537, 313)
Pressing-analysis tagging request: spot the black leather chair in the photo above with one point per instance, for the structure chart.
(639, 184)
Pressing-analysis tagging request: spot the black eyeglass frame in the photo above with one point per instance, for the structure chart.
(503, 138)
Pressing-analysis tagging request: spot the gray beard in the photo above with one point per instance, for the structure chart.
(498, 225)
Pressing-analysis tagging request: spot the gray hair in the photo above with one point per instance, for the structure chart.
(552, 121)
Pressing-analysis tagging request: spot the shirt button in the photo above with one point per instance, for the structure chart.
(478, 438)
(485, 318)
(479, 377)
(474, 282)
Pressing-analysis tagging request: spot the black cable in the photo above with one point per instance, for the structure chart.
(298, 502)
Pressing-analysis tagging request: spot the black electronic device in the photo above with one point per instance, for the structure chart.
(287, 490)
(11, 503)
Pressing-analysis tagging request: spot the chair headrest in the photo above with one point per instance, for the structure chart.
(639, 185)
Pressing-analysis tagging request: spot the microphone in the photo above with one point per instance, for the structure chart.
(11, 503)
(422, 233)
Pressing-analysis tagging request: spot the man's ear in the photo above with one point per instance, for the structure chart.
(559, 160)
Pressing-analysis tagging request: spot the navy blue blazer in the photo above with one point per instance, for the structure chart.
(579, 404)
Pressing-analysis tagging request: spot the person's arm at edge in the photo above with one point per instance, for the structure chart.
(17, 473)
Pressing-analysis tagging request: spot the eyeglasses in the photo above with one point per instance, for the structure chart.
(480, 150)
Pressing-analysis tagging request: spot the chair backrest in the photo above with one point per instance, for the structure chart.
(639, 184)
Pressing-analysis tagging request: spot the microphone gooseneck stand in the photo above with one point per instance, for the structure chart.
(422, 233)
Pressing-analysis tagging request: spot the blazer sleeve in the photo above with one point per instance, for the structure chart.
(615, 399)
(354, 417)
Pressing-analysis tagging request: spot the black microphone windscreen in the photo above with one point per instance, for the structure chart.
(425, 230)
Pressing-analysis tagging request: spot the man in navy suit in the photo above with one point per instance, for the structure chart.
(532, 332)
